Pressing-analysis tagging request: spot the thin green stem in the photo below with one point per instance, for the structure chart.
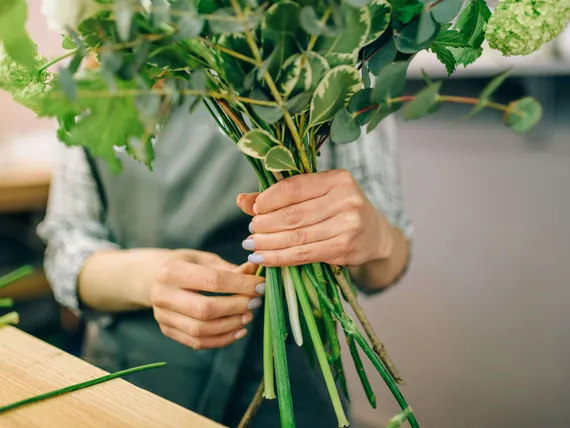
(268, 376)
(78, 386)
(278, 332)
(9, 318)
(319, 348)
(361, 372)
(56, 60)
(16, 275)
(6, 303)
(230, 52)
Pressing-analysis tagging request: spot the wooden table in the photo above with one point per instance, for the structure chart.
(29, 367)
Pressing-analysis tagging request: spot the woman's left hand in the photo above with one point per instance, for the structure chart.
(320, 217)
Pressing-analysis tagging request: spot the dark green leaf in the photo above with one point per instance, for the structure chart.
(257, 143)
(299, 102)
(390, 83)
(280, 158)
(333, 92)
(75, 62)
(365, 76)
(310, 21)
(282, 17)
(378, 116)
(380, 13)
(423, 102)
(426, 28)
(523, 114)
(362, 100)
(471, 22)
(345, 128)
(406, 10)
(446, 10)
(67, 83)
(406, 40)
(384, 56)
(269, 115)
(451, 38)
(445, 57)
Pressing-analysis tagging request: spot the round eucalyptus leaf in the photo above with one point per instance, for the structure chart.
(426, 27)
(310, 21)
(257, 143)
(446, 10)
(345, 128)
(523, 114)
(406, 40)
(383, 57)
(423, 102)
(333, 93)
(360, 104)
(357, 3)
(390, 83)
(279, 158)
(381, 113)
(299, 102)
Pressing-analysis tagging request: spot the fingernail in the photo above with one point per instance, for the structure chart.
(260, 288)
(256, 259)
(248, 244)
(241, 333)
(255, 210)
(246, 318)
(250, 227)
(254, 303)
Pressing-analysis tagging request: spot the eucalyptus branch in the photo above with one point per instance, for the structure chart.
(230, 52)
(253, 407)
(56, 60)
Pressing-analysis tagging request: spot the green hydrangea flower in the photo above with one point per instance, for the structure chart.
(520, 27)
(26, 86)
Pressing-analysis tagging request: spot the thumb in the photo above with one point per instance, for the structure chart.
(246, 268)
(245, 201)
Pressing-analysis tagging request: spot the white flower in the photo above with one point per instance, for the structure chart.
(63, 15)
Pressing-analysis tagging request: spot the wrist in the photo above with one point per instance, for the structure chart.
(143, 266)
(385, 240)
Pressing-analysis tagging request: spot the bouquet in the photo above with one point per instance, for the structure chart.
(281, 78)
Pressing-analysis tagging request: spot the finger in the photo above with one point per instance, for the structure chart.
(324, 230)
(203, 307)
(297, 215)
(197, 328)
(246, 268)
(315, 252)
(245, 201)
(292, 190)
(202, 342)
(202, 278)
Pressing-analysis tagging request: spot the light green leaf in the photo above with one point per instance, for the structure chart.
(346, 43)
(446, 10)
(269, 115)
(257, 143)
(523, 114)
(471, 22)
(488, 92)
(390, 83)
(290, 81)
(398, 420)
(319, 67)
(426, 28)
(310, 21)
(279, 158)
(333, 92)
(465, 56)
(68, 43)
(380, 12)
(17, 43)
(423, 103)
(345, 128)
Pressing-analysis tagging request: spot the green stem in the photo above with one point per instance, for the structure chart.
(16, 275)
(9, 318)
(278, 332)
(292, 306)
(78, 386)
(6, 303)
(361, 372)
(319, 348)
(350, 329)
(56, 60)
(268, 376)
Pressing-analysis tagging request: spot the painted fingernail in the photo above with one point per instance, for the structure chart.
(241, 333)
(260, 288)
(246, 318)
(255, 210)
(250, 227)
(248, 244)
(254, 303)
(256, 259)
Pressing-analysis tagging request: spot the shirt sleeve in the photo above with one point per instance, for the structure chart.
(73, 227)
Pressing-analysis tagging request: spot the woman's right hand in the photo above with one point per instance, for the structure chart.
(204, 321)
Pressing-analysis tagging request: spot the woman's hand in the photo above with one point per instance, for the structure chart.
(204, 321)
(321, 217)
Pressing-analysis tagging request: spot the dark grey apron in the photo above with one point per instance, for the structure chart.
(189, 202)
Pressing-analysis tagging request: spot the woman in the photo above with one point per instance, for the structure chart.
(155, 259)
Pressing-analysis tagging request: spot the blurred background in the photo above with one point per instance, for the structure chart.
(479, 325)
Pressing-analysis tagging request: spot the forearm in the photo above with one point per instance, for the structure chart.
(119, 280)
(378, 274)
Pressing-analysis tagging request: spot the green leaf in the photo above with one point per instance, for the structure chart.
(290, 77)
(406, 10)
(279, 158)
(123, 18)
(360, 101)
(228, 22)
(451, 38)
(407, 40)
(445, 57)
(471, 22)
(235, 70)
(189, 26)
(446, 10)
(357, 3)
(269, 115)
(488, 92)
(426, 28)
(398, 420)
(380, 13)
(378, 116)
(282, 17)
(299, 102)
(333, 92)
(68, 43)
(346, 43)
(466, 56)
(17, 43)
(198, 80)
(384, 56)
(160, 13)
(390, 83)
(67, 83)
(523, 114)
(365, 75)
(423, 103)
(310, 21)
(257, 143)
(345, 128)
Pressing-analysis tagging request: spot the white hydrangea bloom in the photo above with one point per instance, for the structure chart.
(63, 15)
(520, 27)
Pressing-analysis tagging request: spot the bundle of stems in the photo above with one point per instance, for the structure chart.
(316, 288)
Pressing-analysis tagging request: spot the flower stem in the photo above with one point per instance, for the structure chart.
(56, 60)
(16, 275)
(268, 376)
(227, 51)
(361, 372)
(9, 318)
